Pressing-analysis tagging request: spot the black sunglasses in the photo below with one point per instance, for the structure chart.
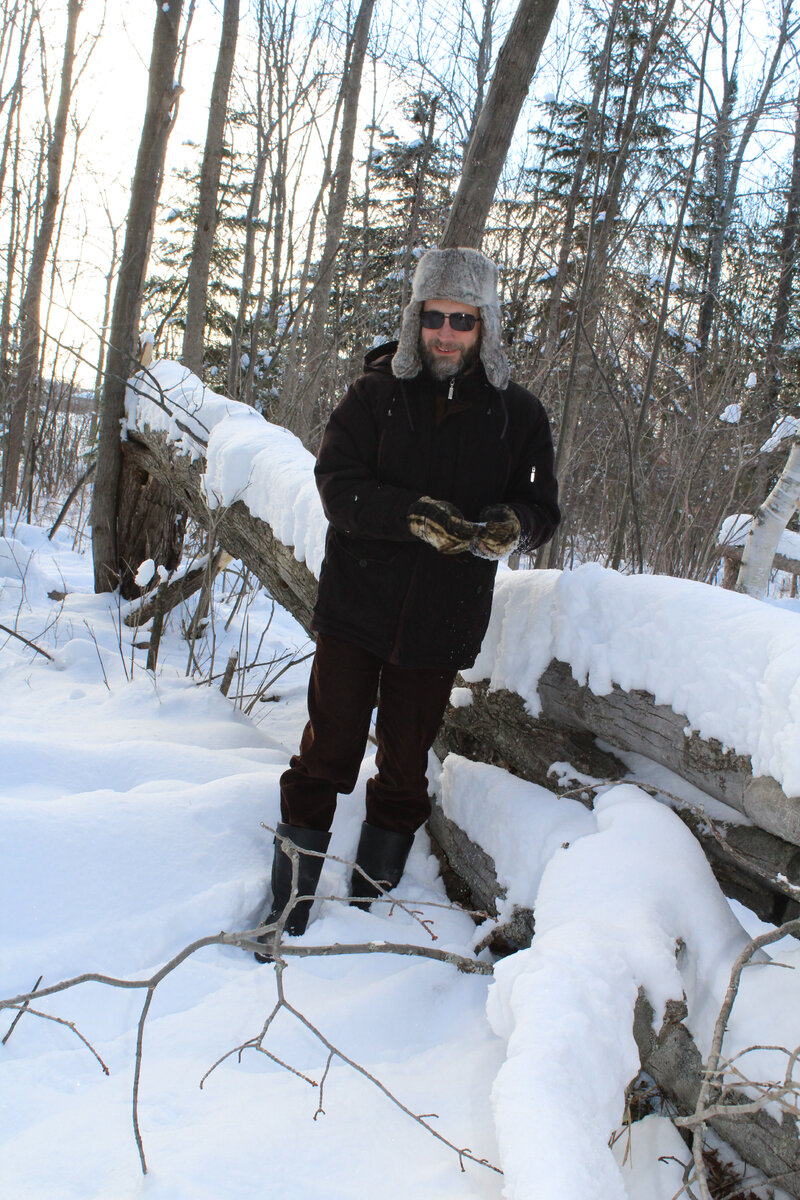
(460, 322)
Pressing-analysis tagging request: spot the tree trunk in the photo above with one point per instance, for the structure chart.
(315, 334)
(726, 177)
(209, 186)
(629, 495)
(789, 255)
(162, 95)
(489, 144)
(30, 330)
(768, 525)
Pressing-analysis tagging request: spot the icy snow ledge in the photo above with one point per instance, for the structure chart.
(612, 907)
(246, 458)
(729, 664)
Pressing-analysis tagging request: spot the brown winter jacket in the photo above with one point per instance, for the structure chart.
(389, 442)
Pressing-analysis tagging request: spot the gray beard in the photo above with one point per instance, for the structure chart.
(448, 368)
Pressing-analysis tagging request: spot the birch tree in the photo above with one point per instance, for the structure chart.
(768, 525)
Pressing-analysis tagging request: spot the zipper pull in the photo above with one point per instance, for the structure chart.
(452, 386)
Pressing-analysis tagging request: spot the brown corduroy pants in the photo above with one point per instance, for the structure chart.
(343, 688)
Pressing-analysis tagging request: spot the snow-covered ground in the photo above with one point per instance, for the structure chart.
(131, 810)
(133, 807)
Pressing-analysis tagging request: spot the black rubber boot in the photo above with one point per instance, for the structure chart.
(309, 869)
(382, 853)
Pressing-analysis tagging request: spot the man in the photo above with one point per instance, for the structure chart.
(432, 468)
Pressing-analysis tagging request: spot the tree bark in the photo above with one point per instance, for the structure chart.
(200, 262)
(489, 144)
(161, 98)
(30, 328)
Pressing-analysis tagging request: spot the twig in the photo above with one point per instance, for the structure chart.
(99, 655)
(710, 1089)
(256, 1043)
(83, 479)
(246, 941)
(227, 678)
(27, 642)
(18, 1017)
(35, 1012)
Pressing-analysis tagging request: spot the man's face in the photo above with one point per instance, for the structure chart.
(445, 351)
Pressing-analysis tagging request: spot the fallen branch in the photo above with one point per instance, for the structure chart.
(33, 646)
(257, 1043)
(280, 952)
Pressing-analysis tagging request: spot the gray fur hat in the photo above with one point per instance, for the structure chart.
(464, 276)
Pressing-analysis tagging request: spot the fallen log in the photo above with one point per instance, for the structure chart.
(669, 1055)
(496, 727)
(753, 863)
(243, 536)
(674, 1062)
(633, 721)
(732, 560)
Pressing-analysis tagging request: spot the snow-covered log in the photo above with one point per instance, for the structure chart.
(620, 975)
(666, 668)
(243, 535)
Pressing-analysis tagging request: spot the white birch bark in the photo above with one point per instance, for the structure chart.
(768, 525)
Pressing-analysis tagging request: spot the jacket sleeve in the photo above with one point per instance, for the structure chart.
(532, 487)
(355, 501)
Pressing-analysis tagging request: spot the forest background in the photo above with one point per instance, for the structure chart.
(646, 225)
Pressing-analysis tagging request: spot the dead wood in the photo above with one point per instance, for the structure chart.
(243, 535)
(173, 593)
(675, 1063)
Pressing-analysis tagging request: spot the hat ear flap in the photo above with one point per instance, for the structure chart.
(493, 356)
(406, 362)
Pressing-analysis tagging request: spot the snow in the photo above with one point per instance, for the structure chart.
(734, 531)
(728, 663)
(147, 570)
(135, 811)
(136, 804)
(751, 381)
(785, 427)
(247, 458)
(731, 414)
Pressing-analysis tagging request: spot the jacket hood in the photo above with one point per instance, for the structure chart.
(379, 358)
